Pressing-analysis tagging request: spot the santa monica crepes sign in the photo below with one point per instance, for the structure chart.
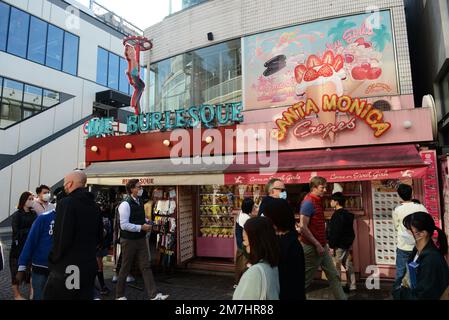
(209, 116)
(360, 109)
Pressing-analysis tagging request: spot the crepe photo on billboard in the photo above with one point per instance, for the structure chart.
(352, 55)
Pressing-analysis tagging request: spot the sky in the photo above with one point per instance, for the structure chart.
(141, 13)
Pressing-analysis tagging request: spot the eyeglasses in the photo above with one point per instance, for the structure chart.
(139, 187)
(281, 189)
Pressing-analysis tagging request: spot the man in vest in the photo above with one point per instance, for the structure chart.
(133, 228)
(313, 238)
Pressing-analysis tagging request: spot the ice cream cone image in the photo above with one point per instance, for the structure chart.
(316, 93)
(318, 77)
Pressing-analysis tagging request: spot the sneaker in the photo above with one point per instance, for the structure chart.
(114, 279)
(97, 299)
(130, 279)
(105, 291)
(160, 296)
(121, 298)
(352, 287)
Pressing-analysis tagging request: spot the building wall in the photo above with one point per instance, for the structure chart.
(429, 39)
(231, 19)
(49, 164)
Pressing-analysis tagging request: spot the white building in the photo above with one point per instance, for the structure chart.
(54, 57)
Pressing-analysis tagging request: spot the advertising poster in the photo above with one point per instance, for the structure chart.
(351, 56)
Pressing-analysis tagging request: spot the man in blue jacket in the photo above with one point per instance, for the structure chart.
(36, 250)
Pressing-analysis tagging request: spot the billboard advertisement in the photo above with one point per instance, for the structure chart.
(352, 56)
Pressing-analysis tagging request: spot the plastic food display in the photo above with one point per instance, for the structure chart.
(216, 213)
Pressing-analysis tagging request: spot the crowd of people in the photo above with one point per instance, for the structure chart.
(58, 248)
(278, 258)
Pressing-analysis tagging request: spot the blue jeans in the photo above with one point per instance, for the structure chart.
(38, 281)
(402, 258)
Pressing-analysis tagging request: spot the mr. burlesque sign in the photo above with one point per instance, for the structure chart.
(295, 116)
(208, 116)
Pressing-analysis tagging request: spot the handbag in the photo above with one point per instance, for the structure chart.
(263, 291)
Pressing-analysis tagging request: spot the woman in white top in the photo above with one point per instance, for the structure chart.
(261, 280)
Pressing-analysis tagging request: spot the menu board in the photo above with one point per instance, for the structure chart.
(385, 199)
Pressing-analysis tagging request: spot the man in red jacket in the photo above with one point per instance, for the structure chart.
(313, 238)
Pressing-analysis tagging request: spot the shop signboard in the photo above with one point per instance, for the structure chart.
(444, 167)
(431, 188)
(352, 56)
(206, 116)
(331, 176)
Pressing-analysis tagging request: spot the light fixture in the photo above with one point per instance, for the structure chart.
(128, 146)
(209, 139)
(407, 124)
(166, 143)
(94, 148)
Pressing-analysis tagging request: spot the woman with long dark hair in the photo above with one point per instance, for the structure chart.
(261, 280)
(22, 220)
(428, 272)
(291, 260)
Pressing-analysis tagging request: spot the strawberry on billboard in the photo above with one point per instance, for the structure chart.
(342, 56)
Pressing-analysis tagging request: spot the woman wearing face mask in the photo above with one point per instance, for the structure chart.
(22, 220)
(427, 261)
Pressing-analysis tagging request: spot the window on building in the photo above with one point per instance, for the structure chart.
(4, 22)
(12, 97)
(19, 101)
(70, 55)
(18, 32)
(54, 47)
(111, 71)
(37, 40)
(102, 67)
(32, 38)
(50, 98)
(211, 75)
(123, 78)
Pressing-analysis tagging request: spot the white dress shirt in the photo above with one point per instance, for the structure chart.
(125, 211)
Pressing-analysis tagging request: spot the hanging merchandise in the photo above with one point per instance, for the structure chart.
(164, 212)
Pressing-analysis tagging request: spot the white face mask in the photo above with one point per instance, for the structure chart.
(46, 197)
(140, 193)
(283, 195)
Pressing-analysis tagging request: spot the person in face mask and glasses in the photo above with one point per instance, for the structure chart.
(42, 203)
(275, 189)
(22, 220)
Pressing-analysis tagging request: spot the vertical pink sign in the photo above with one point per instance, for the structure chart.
(431, 188)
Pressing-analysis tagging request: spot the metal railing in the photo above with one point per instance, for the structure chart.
(113, 20)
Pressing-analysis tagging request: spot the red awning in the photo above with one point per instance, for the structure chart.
(348, 164)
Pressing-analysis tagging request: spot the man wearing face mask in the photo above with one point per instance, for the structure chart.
(77, 232)
(275, 189)
(133, 229)
(42, 203)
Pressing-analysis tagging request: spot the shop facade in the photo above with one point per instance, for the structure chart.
(328, 97)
